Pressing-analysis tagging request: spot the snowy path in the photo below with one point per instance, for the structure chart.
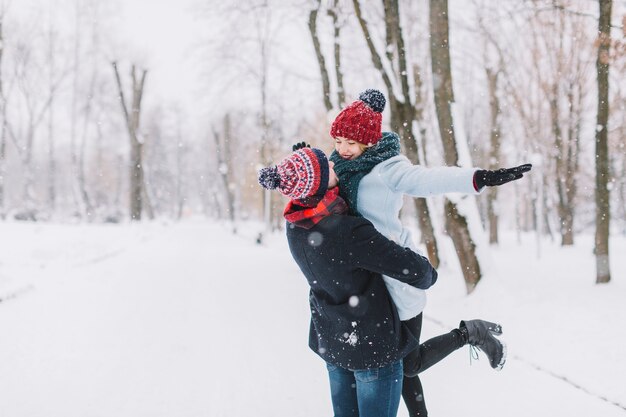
(187, 320)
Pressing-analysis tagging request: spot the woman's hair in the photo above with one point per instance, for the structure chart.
(362, 146)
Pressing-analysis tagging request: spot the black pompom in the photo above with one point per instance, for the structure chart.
(269, 178)
(373, 98)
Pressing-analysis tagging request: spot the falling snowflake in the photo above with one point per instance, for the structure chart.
(315, 239)
(354, 301)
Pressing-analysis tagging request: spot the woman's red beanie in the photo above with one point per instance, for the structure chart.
(362, 120)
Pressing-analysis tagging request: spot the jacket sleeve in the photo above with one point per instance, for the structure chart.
(370, 250)
(400, 175)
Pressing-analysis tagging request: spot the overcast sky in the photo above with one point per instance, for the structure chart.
(163, 34)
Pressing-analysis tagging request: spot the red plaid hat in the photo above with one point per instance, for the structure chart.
(362, 120)
(302, 174)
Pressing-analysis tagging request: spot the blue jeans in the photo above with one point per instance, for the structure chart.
(366, 393)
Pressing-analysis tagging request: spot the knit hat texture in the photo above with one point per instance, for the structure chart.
(362, 120)
(302, 174)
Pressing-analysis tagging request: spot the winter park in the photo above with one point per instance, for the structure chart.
(312, 208)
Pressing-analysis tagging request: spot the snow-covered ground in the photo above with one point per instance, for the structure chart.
(186, 320)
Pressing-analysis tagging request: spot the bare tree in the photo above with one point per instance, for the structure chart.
(35, 107)
(546, 81)
(131, 117)
(34, 84)
(568, 79)
(321, 60)
(74, 108)
(263, 24)
(618, 136)
(456, 223)
(83, 103)
(494, 149)
(3, 115)
(181, 197)
(225, 167)
(495, 71)
(402, 103)
(253, 26)
(602, 195)
(334, 12)
(52, 170)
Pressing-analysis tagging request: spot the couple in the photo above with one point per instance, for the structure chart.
(367, 291)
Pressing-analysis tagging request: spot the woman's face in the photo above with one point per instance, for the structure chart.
(348, 148)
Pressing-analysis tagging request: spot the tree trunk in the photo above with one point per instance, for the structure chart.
(28, 192)
(180, 197)
(341, 95)
(456, 224)
(52, 170)
(494, 153)
(562, 206)
(603, 212)
(131, 117)
(136, 179)
(265, 153)
(76, 194)
(3, 123)
(225, 169)
(81, 174)
(567, 183)
(457, 228)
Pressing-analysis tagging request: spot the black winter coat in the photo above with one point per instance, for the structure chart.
(354, 322)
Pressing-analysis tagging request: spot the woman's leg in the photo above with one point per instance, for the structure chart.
(412, 392)
(431, 351)
(413, 396)
(379, 390)
(343, 391)
(435, 349)
(428, 354)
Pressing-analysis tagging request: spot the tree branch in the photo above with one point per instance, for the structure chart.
(320, 56)
(122, 98)
(376, 60)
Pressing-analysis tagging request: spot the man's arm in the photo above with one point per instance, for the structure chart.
(370, 250)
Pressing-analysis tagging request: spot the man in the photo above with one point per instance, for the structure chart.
(355, 326)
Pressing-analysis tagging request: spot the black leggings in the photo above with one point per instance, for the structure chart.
(428, 354)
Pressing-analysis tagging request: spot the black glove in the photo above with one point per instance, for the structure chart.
(300, 145)
(500, 176)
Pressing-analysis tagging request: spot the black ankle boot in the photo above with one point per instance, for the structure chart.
(481, 333)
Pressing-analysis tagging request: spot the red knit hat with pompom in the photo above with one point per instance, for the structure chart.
(362, 120)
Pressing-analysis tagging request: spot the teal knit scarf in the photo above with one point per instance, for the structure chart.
(351, 172)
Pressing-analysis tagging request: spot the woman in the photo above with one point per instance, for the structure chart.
(373, 179)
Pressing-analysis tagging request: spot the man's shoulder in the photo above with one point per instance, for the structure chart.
(334, 223)
(344, 221)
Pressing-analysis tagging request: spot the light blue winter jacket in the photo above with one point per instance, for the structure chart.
(380, 199)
